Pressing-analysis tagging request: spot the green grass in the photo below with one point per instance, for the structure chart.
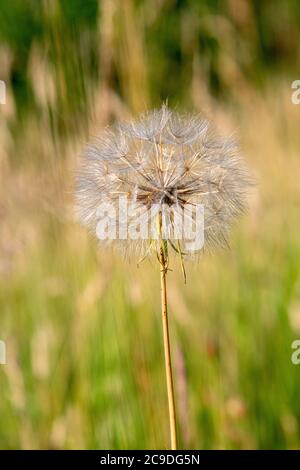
(85, 360)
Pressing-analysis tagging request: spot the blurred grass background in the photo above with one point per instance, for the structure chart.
(82, 327)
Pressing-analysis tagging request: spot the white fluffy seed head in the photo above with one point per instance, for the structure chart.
(166, 160)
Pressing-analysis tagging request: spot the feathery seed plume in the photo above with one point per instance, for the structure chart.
(165, 160)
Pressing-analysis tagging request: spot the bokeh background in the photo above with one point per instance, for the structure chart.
(82, 326)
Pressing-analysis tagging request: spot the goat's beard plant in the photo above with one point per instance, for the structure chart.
(165, 167)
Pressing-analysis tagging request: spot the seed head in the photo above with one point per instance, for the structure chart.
(165, 164)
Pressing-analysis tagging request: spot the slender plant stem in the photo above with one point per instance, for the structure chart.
(166, 336)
